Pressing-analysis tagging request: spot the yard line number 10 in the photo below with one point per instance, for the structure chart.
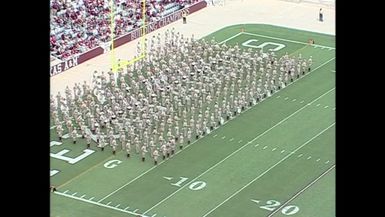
(195, 186)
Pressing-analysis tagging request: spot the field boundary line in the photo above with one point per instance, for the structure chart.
(228, 39)
(266, 171)
(302, 190)
(99, 204)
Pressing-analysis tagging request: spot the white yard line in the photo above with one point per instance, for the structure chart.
(301, 191)
(99, 204)
(282, 39)
(239, 149)
(266, 171)
(228, 39)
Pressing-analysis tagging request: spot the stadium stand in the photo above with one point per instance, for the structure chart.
(78, 26)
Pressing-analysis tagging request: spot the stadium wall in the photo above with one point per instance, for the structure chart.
(76, 60)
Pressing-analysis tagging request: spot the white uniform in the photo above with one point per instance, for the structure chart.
(144, 151)
(155, 155)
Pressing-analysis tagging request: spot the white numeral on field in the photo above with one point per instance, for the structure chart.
(52, 143)
(179, 184)
(272, 205)
(53, 172)
(261, 46)
(195, 186)
(60, 155)
(290, 210)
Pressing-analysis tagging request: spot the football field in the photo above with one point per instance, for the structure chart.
(276, 158)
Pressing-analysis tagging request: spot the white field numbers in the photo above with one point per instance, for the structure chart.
(60, 156)
(271, 205)
(249, 43)
(195, 186)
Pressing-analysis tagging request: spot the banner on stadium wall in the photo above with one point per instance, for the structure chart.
(74, 61)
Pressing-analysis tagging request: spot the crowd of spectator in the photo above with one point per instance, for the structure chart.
(80, 25)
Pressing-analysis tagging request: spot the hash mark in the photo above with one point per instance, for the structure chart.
(108, 203)
(274, 149)
(65, 192)
(286, 98)
(300, 155)
(231, 139)
(282, 151)
(318, 105)
(294, 100)
(223, 137)
(301, 101)
(265, 147)
(215, 135)
(308, 157)
(240, 141)
(326, 106)
(256, 145)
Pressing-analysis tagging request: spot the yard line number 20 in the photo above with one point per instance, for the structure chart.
(271, 205)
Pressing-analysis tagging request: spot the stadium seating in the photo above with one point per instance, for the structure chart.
(78, 26)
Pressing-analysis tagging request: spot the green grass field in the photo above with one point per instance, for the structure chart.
(275, 159)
